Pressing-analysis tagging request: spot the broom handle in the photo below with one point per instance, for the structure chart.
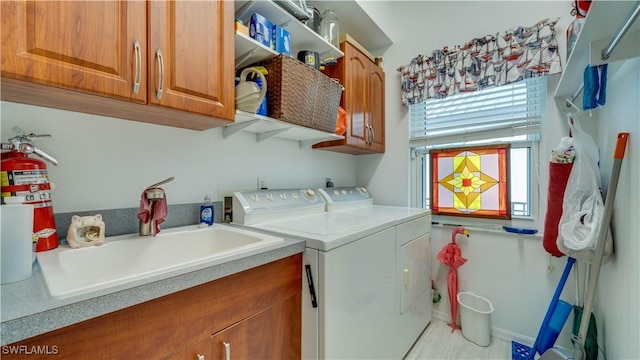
(618, 155)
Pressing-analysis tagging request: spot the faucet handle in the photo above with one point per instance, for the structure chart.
(154, 194)
(161, 182)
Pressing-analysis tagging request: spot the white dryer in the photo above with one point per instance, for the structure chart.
(412, 228)
(352, 277)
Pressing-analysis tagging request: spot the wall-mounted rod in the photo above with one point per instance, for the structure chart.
(574, 96)
(633, 15)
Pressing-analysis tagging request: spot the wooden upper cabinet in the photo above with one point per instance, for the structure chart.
(191, 65)
(356, 99)
(168, 62)
(363, 100)
(376, 108)
(81, 45)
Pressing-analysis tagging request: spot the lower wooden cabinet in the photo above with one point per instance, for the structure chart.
(269, 334)
(257, 311)
(198, 351)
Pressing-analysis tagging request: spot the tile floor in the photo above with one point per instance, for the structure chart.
(437, 342)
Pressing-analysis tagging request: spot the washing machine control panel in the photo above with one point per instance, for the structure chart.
(273, 200)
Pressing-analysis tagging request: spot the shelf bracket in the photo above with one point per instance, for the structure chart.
(285, 24)
(242, 59)
(269, 134)
(234, 128)
(307, 143)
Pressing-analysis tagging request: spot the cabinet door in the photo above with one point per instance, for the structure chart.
(191, 59)
(376, 108)
(356, 83)
(198, 351)
(363, 100)
(79, 45)
(274, 333)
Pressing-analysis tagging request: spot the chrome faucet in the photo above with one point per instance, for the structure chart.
(152, 194)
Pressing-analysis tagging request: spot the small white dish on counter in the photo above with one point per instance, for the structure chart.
(126, 258)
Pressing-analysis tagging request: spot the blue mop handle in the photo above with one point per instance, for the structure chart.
(552, 307)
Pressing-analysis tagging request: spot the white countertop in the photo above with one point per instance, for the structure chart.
(27, 309)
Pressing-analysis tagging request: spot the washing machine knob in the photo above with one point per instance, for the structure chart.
(309, 194)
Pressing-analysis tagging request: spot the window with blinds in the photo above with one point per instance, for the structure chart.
(510, 113)
(495, 112)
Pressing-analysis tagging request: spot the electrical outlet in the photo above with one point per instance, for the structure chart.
(262, 183)
(226, 196)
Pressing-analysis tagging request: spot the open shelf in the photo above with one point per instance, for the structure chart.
(249, 51)
(266, 127)
(601, 24)
(302, 37)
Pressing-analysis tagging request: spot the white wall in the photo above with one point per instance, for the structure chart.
(618, 309)
(513, 271)
(105, 163)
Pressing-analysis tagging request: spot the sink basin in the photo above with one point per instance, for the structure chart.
(127, 258)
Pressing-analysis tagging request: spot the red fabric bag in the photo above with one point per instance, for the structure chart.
(558, 177)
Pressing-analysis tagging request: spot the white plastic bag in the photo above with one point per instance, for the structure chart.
(583, 207)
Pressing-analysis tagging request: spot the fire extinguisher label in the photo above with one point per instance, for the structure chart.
(27, 177)
(22, 177)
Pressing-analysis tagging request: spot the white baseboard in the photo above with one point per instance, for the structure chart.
(496, 332)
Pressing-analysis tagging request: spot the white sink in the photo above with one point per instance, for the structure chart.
(127, 258)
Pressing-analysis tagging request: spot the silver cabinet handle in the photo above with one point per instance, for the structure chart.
(373, 135)
(160, 73)
(199, 357)
(227, 351)
(138, 74)
(367, 135)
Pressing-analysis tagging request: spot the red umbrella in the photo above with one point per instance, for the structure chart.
(452, 256)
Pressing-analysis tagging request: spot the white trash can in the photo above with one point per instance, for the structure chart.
(475, 318)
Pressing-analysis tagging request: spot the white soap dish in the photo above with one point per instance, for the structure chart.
(86, 231)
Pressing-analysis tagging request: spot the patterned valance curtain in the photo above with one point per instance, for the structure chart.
(492, 60)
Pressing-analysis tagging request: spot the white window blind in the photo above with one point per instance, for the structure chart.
(508, 110)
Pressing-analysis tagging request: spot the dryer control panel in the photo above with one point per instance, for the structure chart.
(340, 198)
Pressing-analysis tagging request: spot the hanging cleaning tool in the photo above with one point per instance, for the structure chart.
(555, 317)
(451, 255)
(618, 155)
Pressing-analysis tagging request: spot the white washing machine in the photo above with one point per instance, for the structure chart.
(353, 281)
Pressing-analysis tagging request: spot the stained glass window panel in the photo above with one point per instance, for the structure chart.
(471, 182)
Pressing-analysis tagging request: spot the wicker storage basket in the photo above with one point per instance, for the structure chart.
(301, 95)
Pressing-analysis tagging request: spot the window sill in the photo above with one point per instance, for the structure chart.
(489, 226)
(493, 230)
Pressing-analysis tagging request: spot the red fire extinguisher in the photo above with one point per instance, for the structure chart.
(28, 177)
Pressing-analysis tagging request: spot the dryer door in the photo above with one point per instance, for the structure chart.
(415, 267)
